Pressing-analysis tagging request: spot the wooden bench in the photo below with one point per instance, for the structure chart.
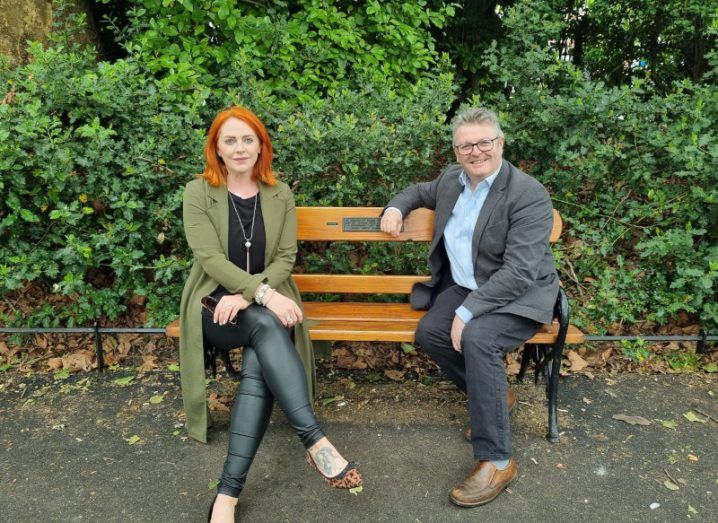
(362, 321)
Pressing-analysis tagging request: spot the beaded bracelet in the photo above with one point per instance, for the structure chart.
(259, 297)
(269, 297)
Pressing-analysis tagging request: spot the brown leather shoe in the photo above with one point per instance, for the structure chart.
(483, 484)
(512, 404)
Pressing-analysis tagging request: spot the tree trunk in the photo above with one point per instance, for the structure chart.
(25, 20)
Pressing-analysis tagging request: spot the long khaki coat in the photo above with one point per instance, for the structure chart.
(206, 225)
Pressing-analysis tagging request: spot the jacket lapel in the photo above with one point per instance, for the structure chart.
(495, 194)
(218, 212)
(273, 219)
(443, 211)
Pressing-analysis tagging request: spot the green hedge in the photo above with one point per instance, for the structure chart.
(633, 171)
(94, 158)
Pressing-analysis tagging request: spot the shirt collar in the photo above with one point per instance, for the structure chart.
(489, 180)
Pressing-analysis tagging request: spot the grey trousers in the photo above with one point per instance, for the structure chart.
(479, 369)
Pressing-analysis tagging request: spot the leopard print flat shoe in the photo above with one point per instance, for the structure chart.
(348, 478)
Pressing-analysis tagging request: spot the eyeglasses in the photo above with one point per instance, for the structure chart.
(483, 145)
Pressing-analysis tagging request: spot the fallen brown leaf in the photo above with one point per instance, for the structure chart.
(78, 361)
(215, 404)
(149, 363)
(513, 368)
(631, 420)
(395, 375)
(54, 363)
(577, 362)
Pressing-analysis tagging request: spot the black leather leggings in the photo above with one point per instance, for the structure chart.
(271, 368)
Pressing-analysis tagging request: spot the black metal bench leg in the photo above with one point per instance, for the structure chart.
(562, 313)
(552, 390)
(525, 361)
(210, 359)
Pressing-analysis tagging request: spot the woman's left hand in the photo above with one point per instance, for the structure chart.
(228, 307)
(284, 308)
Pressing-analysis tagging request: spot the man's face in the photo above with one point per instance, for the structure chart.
(476, 163)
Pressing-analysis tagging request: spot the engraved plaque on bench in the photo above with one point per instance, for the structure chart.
(363, 224)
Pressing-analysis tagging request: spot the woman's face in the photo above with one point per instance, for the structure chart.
(238, 146)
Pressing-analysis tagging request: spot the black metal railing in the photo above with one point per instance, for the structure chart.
(701, 339)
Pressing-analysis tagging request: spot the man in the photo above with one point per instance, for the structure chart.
(493, 284)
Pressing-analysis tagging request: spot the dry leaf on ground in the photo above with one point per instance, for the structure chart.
(631, 420)
(577, 362)
(395, 375)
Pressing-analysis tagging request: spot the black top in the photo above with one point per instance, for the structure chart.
(237, 250)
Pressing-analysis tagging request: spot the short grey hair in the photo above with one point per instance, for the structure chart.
(477, 115)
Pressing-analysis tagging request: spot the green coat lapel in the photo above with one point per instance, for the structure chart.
(273, 220)
(218, 212)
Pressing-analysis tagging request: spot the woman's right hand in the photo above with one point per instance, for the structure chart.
(284, 308)
(228, 307)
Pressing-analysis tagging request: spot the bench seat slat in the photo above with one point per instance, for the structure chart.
(333, 330)
(356, 283)
(366, 322)
(348, 311)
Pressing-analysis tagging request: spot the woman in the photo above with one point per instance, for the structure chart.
(240, 223)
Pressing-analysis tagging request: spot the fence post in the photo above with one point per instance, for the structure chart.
(98, 347)
(701, 343)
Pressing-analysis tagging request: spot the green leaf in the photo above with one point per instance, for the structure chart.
(407, 348)
(5, 367)
(124, 382)
(356, 490)
(670, 485)
(710, 367)
(173, 367)
(132, 439)
(157, 398)
(328, 401)
(61, 374)
(691, 416)
(669, 424)
(28, 216)
(213, 484)
(692, 510)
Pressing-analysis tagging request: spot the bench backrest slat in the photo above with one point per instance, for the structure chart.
(362, 224)
(331, 223)
(356, 283)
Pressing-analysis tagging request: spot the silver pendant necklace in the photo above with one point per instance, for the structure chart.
(247, 241)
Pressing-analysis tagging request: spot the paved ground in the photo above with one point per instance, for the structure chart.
(65, 455)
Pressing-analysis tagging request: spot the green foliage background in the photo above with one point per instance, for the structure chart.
(94, 153)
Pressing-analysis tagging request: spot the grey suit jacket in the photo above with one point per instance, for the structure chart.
(513, 265)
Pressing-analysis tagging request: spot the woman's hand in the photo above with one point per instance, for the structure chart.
(284, 308)
(228, 307)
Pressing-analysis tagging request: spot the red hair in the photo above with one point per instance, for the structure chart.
(215, 172)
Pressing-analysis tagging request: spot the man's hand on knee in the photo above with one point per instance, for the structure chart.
(457, 329)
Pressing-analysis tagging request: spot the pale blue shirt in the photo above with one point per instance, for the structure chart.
(460, 231)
